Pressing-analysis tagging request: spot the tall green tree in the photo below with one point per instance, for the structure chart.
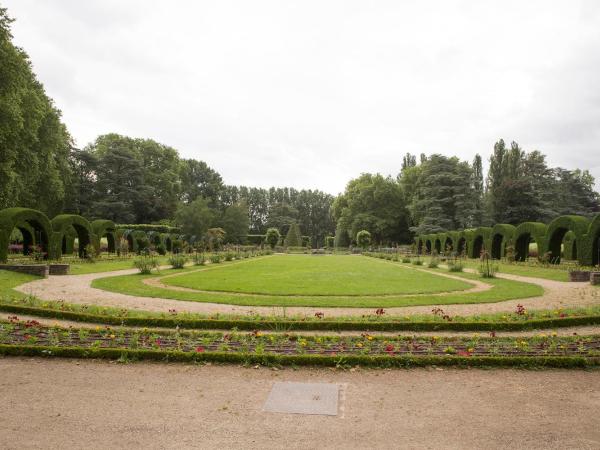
(478, 192)
(443, 196)
(199, 180)
(376, 204)
(195, 218)
(234, 220)
(34, 143)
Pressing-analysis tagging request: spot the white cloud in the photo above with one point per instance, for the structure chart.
(312, 93)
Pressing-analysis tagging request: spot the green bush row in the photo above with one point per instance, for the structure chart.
(300, 325)
(382, 361)
(571, 236)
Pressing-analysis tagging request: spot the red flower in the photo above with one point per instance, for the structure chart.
(389, 348)
(463, 353)
(199, 349)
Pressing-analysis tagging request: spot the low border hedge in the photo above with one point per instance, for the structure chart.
(305, 360)
(299, 325)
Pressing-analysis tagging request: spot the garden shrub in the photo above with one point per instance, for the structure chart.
(229, 256)
(363, 239)
(145, 264)
(161, 249)
(199, 259)
(487, 269)
(177, 261)
(293, 238)
(272, 237)
(215, 258)
(433, 263)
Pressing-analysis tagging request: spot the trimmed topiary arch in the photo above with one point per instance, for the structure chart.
(448, 243)
(37, 221)
(154, 237)
(462, 243)
(61, 226)
(419, 244)
(437, 242)
(557, 230)
(479, 238)
(428, 243)
(501, 236)
(570, 246)
(132, 246)
(525, 233)
(28, 236)
(105, 228)
(141, 239)
(589, 251)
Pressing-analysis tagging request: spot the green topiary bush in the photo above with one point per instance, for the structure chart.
(177, 261)
(146, 264)
(272, 237)
(294, 237)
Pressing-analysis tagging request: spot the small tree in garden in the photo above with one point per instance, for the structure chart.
(272, 237)
(363, 239)
(294, 237)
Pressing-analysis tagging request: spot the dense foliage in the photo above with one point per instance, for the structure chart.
(132, 180)
(34, 144)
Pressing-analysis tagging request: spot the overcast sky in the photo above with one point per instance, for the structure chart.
(312, 93)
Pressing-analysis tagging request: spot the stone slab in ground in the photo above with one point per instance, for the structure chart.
(303, 398)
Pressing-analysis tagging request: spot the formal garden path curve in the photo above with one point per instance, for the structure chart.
(77, 289)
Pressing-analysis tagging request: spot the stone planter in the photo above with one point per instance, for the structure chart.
(59, 269)
(579, 275)
(595, 278)
(41, 270)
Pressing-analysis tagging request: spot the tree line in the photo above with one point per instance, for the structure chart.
(440, 193)
(131, 180)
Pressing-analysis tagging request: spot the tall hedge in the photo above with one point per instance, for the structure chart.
(589, 248)
(12, 217)
(501, 237)
(576, 235)
(149, 227)
(533, 230)
(559, 227)
(479, 239)
(106, 228)
(61, 226)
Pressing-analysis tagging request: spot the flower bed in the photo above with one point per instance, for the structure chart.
(19, 337)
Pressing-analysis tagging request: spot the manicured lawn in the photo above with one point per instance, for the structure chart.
(10, 280)
(316, 275)
(501, 290)
(82, 267)
(548, 273)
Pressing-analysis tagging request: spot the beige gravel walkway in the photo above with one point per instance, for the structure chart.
(77, 289)
(72, 404)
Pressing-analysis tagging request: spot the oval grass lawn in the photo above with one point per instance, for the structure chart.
(316, 276)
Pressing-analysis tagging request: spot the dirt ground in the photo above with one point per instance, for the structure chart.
(60, 403)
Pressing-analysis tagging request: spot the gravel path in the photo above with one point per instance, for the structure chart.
(60, 403)
(77, 289)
